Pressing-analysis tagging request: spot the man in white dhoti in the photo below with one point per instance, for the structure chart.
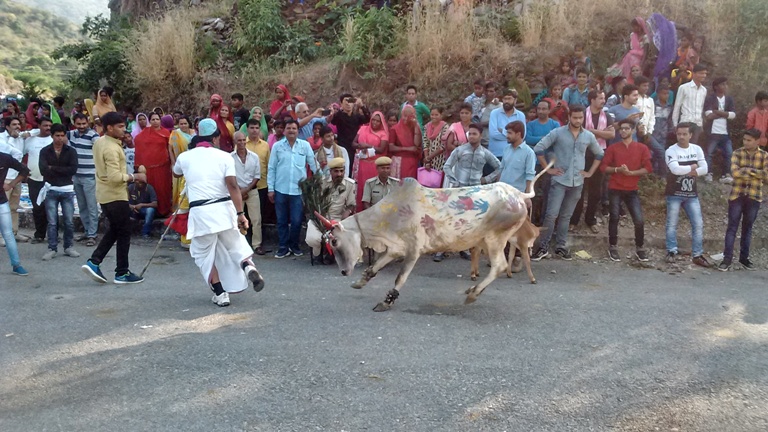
(216, 216)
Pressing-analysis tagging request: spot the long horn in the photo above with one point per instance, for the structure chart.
(328, 224)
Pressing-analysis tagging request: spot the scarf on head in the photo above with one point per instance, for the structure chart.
(31, 115)
(402, 130)
(102, 108)
(89, 109)
(262, 123)
(214, 112)
(278, 103)
(367, 135)
(602, 123)
(136, 128)
(167, 123)
(54, 114)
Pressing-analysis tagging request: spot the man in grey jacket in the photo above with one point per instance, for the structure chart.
(569, 144)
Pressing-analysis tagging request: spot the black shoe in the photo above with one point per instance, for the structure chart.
(642, 255)
(466, 255)
(724, 266)
(37, 240)
(613, 254)
(438, 257)
(749, 265)
(296, 252)
(539, 254)
(563, 254)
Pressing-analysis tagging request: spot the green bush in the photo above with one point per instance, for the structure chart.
(260, 28)
(370, 35)
(298, 46)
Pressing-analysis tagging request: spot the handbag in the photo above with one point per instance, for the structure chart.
(429, 178)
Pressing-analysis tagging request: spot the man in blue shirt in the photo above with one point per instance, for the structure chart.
(626, 110)
(570, 144)
(518, 165)
(307, 121)
(577, 93)
(535, 130)
(288, 162)
(500, 118)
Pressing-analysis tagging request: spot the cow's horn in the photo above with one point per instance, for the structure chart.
(328, 224)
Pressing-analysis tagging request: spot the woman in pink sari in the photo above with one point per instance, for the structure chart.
(373, 136)
(638, 41)
(405, 143)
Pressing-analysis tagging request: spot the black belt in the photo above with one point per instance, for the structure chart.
(199, 203)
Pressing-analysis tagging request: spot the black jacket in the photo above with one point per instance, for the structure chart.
(58, 170)
(7, 161)
(710, 104)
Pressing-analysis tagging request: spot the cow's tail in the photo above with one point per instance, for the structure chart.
(530, 193)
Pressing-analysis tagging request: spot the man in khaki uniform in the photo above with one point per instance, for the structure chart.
(378, 187)
(343, 195)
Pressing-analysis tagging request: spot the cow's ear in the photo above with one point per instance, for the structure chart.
(340, 227)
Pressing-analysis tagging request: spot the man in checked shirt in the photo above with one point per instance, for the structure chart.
(749, 165)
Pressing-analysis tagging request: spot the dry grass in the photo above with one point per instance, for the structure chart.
(164, 53)
(438, 43)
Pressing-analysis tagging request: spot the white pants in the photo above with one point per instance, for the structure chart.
(226, 250)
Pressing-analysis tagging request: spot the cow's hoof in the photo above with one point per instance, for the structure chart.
(470, 299)
(382, 307)
(533, 281)
(358, 285)
(509, 275)
(473, 277)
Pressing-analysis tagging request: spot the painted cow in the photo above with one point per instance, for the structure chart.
(413, 220)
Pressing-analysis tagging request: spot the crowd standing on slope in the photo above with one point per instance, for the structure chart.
(605, 132)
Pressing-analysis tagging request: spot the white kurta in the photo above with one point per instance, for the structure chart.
(212, 228)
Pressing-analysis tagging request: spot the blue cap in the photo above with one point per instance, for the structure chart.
(207, 127)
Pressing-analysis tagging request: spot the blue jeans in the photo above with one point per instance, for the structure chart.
(85, 191)
(657, 156)
(290, 210)
(6, 229)
(562, 200)
(148, 215)
(722, 142)
(744, 210)
(67, 201)
(693, 210)
(632, 200)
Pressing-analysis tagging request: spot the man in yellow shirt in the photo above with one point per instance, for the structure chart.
(112, 193)
(256, 144)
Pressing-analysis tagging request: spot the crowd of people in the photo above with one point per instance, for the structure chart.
(604, 131)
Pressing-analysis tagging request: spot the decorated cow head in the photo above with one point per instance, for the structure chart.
(342, 243)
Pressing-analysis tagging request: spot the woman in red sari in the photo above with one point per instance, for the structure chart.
(151, 146)
(282, 105)
(405, 143)
(375, 136)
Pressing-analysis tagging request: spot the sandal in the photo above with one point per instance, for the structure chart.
(90, 242)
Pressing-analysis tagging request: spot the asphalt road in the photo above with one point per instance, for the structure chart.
(592, 347)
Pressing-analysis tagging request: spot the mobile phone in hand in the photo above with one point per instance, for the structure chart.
(326, 112)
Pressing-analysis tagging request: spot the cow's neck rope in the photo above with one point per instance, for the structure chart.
(362, 236)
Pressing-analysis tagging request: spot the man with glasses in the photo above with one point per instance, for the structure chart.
(307, 121)
(626, 162)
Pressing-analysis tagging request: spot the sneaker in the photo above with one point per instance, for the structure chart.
(539, 254)
(708, 178)
(49, 255)
(594, 229)
(37, 240)
(642, 255)
(21, 238)
(563, 254)
(613, 254)
(221, 300)
(254, 278)
(93, 271)
(701, 261)
(749, 265)
(281, 253)
(20, 271)
(438, 257)
(724, 266)
(81, 238)
(297, 252)
(671, 257)
(128, 278)
(71, 252)
(146, 237)
(726, 179)
(466, 255)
